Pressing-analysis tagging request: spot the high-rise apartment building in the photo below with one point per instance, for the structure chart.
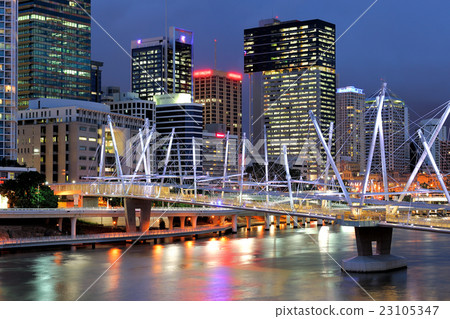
(96, 81)
(292, 66)
(54, 50)
(395, 119)
(162, 66)
(8, 79)
(221, 94)
(349, 128)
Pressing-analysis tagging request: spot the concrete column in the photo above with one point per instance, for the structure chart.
(182, 221)
(194, 221)
(234, 226)
(278, 218)
(295, 221)
(249, 222)
(367, 261)
(303, 220)
(170, 222)
(76, 200)
(267, 222)
(288, 220)
(319, 222)
(222, 220)
(60, 222)
(73, 227)
(115, 220)
(131, 204)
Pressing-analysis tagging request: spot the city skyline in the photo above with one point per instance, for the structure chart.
(397, 59)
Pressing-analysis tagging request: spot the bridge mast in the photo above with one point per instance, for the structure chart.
(116, 152)
(241, 182)
(330, 142)
(266, 165)
(225, 162)
(330, 158)
(288, 178)
(166, 161)
(102, 154)
(424, 155)
(194, 159)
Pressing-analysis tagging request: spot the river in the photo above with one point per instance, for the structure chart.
(283, 264)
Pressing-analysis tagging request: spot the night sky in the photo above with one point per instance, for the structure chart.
(405, 42)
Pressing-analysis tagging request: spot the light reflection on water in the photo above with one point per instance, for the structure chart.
(285, 264)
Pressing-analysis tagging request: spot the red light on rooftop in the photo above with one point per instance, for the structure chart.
(202, 73)
(234, 76)
(220, 135)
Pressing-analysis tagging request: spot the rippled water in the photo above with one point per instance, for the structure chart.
(286, 264)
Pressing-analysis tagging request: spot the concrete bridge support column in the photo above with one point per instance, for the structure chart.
(222, 220)
(234, 224)
(170, 222)
(319, 222)
(77, 200)
(278, 218)
(60, 222)
(194, 221)
(288, 220)
(73, 227)
(295, 221)
(267, 222)
(182, 222)
(249, 222)
(130, 213)
(303, 220)
(367, 261)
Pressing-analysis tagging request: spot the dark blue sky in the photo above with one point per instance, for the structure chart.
(405, 42)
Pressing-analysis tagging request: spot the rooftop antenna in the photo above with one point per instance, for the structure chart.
(215, 54)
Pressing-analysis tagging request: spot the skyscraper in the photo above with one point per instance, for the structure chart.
(395, 119)
(54, 50)
(428, 126)
(8, 79)
(96, 81)
(221, 94)
(150, 73)
(292, 65)
(350, 132)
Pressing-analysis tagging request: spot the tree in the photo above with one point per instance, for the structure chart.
(28, 191)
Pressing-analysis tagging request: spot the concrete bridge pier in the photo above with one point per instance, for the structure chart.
(295, 221)
(115, 220)
(288, 220)
(222, 220)
(194, 221)
(319, 222)
(73, 227)
(234, 224)
(249, 222)
(60, 222)
(267, 222)
(170, 222)
(131, 204)
(303, 220)
(278, 218)
(367, 261)
(182, 222)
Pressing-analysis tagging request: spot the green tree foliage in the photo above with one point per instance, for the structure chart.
(28, 191)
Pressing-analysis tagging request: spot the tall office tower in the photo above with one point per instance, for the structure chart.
(292, 70)
(96, 81)
(428, 126)
(395, 119)
(221, 94)
(444, 156)
(54, 50)
(176, 111)
(150, 73)
(349, 128)
(8, 80)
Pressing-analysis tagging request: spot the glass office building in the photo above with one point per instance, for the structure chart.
(8, 79)
(151, 75)
(54, 50)
(292, 70)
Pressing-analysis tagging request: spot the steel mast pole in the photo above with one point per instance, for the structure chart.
(166, 162)
(241, 182)
(194, 158)
(330, 142)
(288, 178)
(225, 163)
(266, 165)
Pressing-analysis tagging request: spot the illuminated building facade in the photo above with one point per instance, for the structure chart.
(350, 132)
(444, 156)
(221, 94)
(96, 81)
(292, 66)
(395, 119)
(150, 73)
(54, 50)
(428, 126)
(8, 79)
(62, 138)
(176, 111)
